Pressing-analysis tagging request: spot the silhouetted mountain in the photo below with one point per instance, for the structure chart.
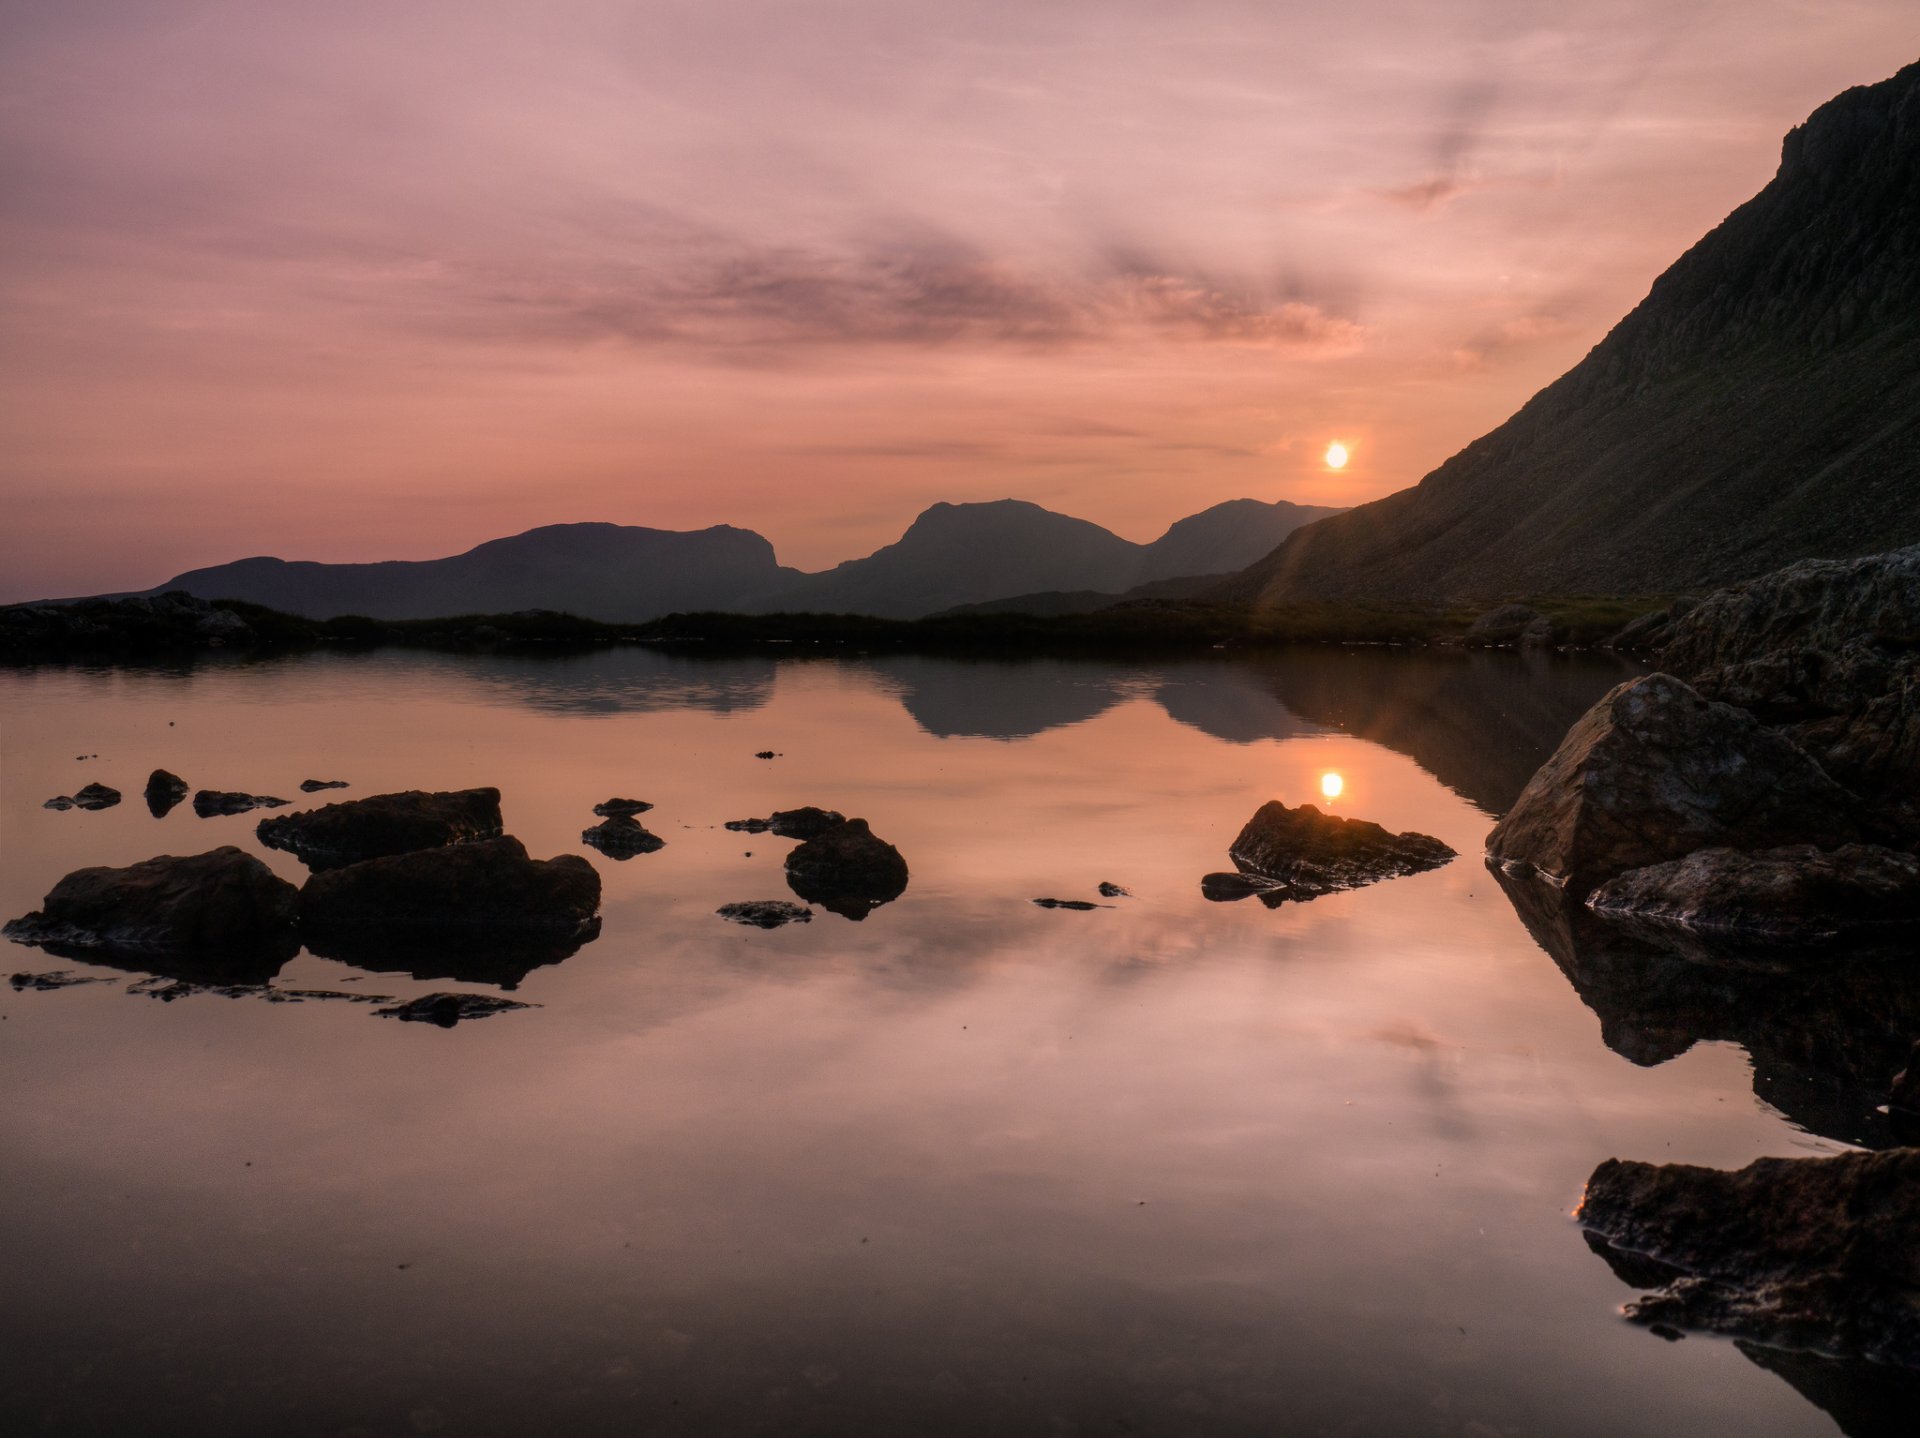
(963, 554)
(611, 572)
(1761, 405)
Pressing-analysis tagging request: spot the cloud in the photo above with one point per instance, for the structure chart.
(1482, 349)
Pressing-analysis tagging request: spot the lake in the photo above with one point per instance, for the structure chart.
(965, 1166)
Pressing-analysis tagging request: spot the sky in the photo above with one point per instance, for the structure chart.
(365, 281)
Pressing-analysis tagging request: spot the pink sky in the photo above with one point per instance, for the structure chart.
(365, 280)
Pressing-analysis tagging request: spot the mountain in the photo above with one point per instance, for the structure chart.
(954, 555)
(611, 572)
(1761, 405)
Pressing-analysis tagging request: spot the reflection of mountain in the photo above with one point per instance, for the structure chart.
(1479, 722)
(626, 680)
(1228, 701)
(1826, 1032)
(1003, 699)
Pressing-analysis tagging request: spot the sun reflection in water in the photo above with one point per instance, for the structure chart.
(1331, 784)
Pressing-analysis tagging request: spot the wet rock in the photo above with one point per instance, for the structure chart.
(622, 837)
(765, 913)
(1114, 891)
(847, 870)
(487, 888)
(61, 802)
(804, 823)
(766, 754)
(219, 903)
(1306, 853)
(750, 826)
(57, 979)
(210, 802)
(446, 1010)
(1068, 904)
(314, 786)
(96, 796)
(383, 825)
(164, 792)
(1792, 894)
(1651, 773)
(1804, 1253)
(1229, 887)
(621, 808)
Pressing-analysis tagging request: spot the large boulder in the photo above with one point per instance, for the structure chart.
(1808, 1253)
(221, 903)
(1654, 771)
(847, 870)
(489, 887)
(1794, 894)
(1302, 853)
(382, 825)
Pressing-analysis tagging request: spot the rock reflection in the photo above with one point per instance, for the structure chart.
(501, 960)
(1825, 1031)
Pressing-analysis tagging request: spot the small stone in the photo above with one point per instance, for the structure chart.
(765, 913)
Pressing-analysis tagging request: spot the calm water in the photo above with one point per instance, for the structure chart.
(965, 1167)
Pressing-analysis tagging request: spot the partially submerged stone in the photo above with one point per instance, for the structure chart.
(1793, 894)
(164, 792)
(486, 889)
(765, 913)
(1230, 886)
(803, 823)
(221, 903)
(446, 1010)
(211, 802)
(1805, 1253)
(622, 837)
(314, 786)
(96, 796)
(1068, 904)
(1653, 772)
(847, 870)
(57, 979)
(382, 825)
(1302, 853)
(612, 808)
(1114, 891)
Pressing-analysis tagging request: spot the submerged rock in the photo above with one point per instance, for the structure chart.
(488, 887)
(803, 823)
(221, 903)
(1302, 853)
(1114, 891)
(382, 825)
(164, 792)
(1796, 893)
(765, 913)
(314, 786)
(622, 837)
(749, 826)
(96, 796)
(1228, 887)
(1806, 1253)
(1652, 772)
(446, 1010)
(621, 808)
(211, 802)
(60, 802)
(847, 870)
(1068, 904)
(57, 979)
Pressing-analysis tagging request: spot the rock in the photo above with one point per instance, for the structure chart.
(1792, 894)
(164, 792)
(446, 1010)
(1228, 888)
(60, 802)
(622, 837)
(750, 826)
(1903, 1097)
(621, 808)
(1307, 853)
(1651, 773)
(847, 870)
(1538, 630)
(383, 825)
(1068, 904)
(1114, 891)
(219, 904)
(488, 887)
(766, 754)
(96, 796)
(804, 823)
(765, 913)
(210, 802)
(57, 979)
(1805, 1253)
(314, 786)
(1504, 624)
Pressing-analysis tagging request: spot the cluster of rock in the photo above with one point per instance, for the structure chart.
(91, 796)
(619, 834)
(165, 791)
(1284, 855)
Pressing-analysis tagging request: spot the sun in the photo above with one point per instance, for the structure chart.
(1336, 455)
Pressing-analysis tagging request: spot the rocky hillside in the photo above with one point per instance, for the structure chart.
(1761, 405)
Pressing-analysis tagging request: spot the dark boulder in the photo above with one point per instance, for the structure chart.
(765, 913)
(164, 792)
(1303, 853)
(847, 870)
(215, 905)
(446, 1010)
(750, 826)
(314, 786)
(804, 823)
(211, 802)
(621, 808)
(1114, 891)
(1792, 894)
(1509, 624)
(1228, 887)
(1803, 1253)
(622, 837)
(96, 796)
(1652, 772)
(383, 825)
(487, 887)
